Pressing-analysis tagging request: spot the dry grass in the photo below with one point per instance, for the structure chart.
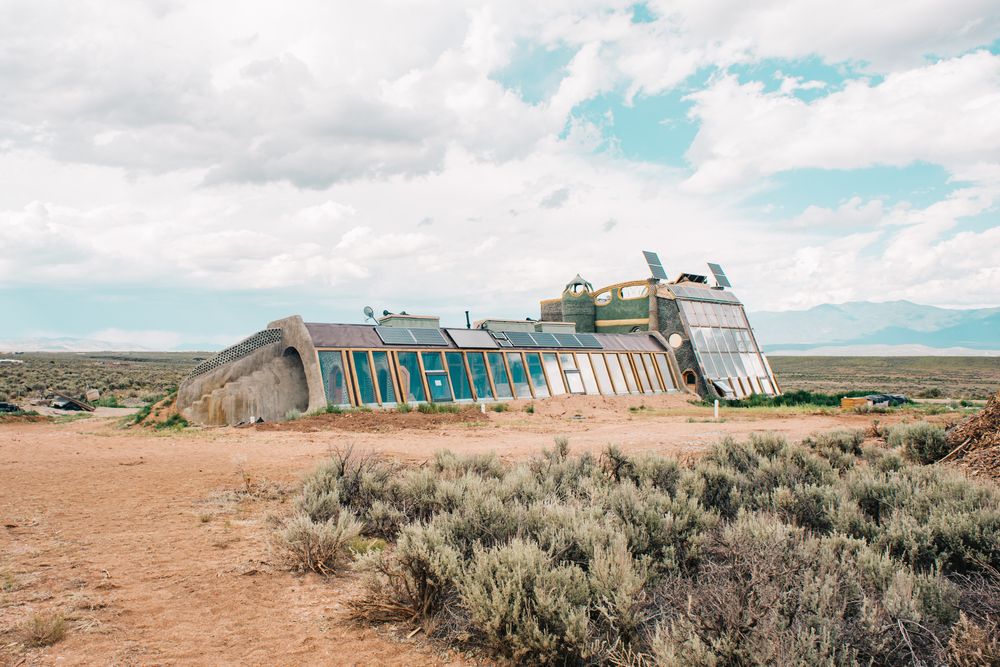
(945, 377)
(43, 630)
(122, 375)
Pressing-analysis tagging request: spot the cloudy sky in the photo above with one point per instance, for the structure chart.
(185, 171)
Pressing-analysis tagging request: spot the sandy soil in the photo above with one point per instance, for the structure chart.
(146, 542)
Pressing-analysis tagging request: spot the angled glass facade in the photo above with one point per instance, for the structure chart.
(726, 349)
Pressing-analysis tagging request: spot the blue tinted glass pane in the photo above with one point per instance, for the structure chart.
(499, 375)
(517, 375)
(477, 366)
(331, 367)
(409, 377)
(440, 387)
(537, 375)
(364, 372)
(432, 361)
(384, 376)
(459, 380)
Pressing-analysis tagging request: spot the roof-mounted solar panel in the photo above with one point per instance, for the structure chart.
(567, 340)
(472, 338)
(401, 336)
(720, 276)
(521, 339)
(394, 336)
(428, 337)
(545, 339)
(505, 343)
(655, 265)
(589, 340)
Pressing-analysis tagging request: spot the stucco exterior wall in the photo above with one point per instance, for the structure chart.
(266, 384)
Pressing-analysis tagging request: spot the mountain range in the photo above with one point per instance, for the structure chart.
(892, 328)
(884, 329)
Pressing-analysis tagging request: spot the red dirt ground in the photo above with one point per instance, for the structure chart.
(143, 541)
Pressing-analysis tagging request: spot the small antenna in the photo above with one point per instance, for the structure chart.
(468, 323)
(369, 313)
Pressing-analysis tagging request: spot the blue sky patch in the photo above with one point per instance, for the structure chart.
(535, 70)
(656, 128)
(807, 69)
(921, 184)
(642, 14)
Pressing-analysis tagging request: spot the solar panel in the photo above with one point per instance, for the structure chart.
(544, 339)
(505, 343)
(472, 338)
(401, 336)
(703, 294)
(428, 337)
(567, 340)
(655, 265)
(394, 336)
(521, 339)
(589, 340)
(720, 275)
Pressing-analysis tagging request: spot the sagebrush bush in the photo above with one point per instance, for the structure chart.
(526, 606)
(761, 552)
(318, 546)
(922, 442)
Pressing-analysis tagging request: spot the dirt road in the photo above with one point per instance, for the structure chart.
(150, 547)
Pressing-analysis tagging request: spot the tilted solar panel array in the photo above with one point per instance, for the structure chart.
(703, 294)
(401, 336)
(545, 339)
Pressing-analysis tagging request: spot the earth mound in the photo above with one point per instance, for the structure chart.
(978, 440)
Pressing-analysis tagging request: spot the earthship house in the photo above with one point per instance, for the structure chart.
(638, 337)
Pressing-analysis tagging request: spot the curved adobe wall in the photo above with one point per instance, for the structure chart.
(266, 383)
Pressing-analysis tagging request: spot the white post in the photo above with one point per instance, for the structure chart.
(482, 408)
(716, 409)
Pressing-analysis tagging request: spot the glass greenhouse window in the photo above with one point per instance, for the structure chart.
(617, 376)
(654, 379)
(331, 367)
(537, 374)
(459, 379)
(499, 372)
(587, 373)
(712, 310)
(363, 369)
(481, 382)
(573, 379)
(383, 374)
(517, 375)
(603, 377)
(437, 378)
(641, 374)
(664, 366)
(555, 375)
(629, 375)
(634, 291)
(409, 377)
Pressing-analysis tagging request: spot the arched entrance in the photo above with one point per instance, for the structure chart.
(691, 380)
(296, 391)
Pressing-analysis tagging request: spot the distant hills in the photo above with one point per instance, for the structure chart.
(70, 344)
(891, 328)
